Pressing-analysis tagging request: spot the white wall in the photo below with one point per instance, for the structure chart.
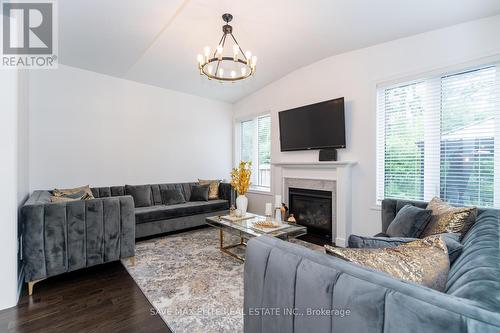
(8, 187)
(355, 75)
(89, 128)
(14, 180)
(23, 189)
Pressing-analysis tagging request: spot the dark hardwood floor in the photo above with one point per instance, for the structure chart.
(103, 299)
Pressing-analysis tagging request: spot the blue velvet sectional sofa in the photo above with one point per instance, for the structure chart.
(66, 236)
(289, 288)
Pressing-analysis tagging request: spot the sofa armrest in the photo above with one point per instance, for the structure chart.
(62, 237)
(289, 288)
(226, 192)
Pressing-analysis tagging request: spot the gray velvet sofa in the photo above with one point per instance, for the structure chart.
(156, 218)
(63, 237)
(299, 283)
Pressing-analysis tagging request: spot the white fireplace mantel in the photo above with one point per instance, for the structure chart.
(338, 171)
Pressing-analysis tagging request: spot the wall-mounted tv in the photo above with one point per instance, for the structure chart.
(316, 126)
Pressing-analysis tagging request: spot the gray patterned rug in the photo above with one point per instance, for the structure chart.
(191, 284)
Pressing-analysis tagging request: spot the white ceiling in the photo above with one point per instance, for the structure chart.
(156, 41)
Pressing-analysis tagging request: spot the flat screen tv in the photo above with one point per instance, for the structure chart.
(315, 126)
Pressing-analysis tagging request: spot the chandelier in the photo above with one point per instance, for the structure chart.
(219, 66)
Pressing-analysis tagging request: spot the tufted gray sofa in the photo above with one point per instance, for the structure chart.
(157, 218)
(63, 237)
(283, 276)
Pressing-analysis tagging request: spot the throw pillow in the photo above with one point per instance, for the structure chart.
(213, 192)
(82, 195)
(446, 218)
(451, 239)
(141, 195)
(70, 191)
(199, 193)
(424, 261)
(172, 197)
(410, 221)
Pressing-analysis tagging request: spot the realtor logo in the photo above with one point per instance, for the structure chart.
(29, 34)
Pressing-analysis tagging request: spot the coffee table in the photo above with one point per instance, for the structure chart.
(243, 229)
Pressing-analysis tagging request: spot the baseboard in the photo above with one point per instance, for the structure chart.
(340, 242)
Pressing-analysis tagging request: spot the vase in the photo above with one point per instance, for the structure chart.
(242, 204)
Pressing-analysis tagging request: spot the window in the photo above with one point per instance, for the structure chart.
(255, 145)
(436, 137)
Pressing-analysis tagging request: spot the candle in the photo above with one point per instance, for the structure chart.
(269, 209)
(277, 201)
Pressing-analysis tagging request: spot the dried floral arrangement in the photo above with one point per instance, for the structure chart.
(240, 177)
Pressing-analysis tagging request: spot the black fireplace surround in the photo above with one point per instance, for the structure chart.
(312, 209)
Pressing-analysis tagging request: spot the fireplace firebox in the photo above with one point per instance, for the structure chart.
(313, 209)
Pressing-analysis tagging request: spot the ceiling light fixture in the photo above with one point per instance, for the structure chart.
(238, 63)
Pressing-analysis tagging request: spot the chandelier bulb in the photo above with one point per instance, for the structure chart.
(233, 74)
(248, 55)
(221, 72)
(200, 59)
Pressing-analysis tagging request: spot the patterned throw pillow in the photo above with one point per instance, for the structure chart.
(451, 239)
(424, 261)
(82, 195)
(446, 218)
(71, 191)
(213, 192)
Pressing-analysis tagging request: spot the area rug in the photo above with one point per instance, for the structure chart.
(192, 285)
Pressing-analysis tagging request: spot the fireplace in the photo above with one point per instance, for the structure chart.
(313, 209)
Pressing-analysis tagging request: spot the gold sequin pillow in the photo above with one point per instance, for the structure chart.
(446, 218)
(213, 190)
(424, 261)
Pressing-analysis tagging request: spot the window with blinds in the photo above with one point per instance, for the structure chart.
(436, 137)
(255, 146)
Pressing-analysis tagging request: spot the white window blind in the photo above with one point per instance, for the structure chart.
(255, 146)
(436, 137)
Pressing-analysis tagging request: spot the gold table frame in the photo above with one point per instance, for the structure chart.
(244, 232)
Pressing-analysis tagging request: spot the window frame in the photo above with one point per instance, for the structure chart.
(432, 176)
(237, 148)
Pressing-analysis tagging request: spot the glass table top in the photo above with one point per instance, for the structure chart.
(246, 227)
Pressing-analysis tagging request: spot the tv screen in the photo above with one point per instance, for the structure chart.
(315, 126)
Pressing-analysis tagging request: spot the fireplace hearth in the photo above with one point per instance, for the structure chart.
(313, 209)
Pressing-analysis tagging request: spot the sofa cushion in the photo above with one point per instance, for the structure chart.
(213, 192)
(424, 261)
(141, 194)
(451, 239)
(172, 197)
(82, 195)
(163, 212)
(67, 192)
(446, 218)
(199, 193)
(410, 221)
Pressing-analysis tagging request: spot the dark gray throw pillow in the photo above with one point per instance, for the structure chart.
(199, 193)
(172, 197)
(141, 194)
(410, 221)
(451, 239)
